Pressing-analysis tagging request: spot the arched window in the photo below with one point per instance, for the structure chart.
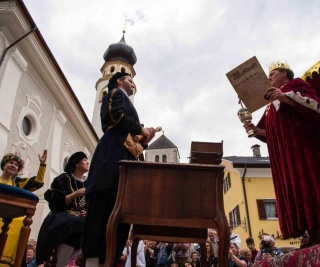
(156, 158)
(123, 69)
(164, 158)
(112, 69)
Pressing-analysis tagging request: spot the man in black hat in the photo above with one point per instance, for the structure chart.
(118, 118)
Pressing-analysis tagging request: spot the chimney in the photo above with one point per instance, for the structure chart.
(256, 150)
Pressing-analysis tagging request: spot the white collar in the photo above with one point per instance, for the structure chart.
(84, 178)
(124, 92)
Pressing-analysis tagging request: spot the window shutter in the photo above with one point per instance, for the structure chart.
(261, 209)
(238, 220)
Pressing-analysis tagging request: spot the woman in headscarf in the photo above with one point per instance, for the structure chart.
(62, 228)
(11, 165)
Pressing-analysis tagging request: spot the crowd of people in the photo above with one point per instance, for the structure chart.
(158, 254)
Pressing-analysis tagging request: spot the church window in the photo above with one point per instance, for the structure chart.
(112, 69)
(29, 121)
(123, 69)
(26, 126)
(156, 158)
(164, 158)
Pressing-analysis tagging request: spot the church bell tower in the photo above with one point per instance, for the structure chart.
(119, 57)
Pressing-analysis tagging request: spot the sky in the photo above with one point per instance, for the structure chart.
(184, 50)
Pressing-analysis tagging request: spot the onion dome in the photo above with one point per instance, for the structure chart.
(120, 51)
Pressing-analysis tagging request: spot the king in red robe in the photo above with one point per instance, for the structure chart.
(291, 129)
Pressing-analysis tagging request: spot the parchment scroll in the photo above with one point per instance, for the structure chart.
(251, 84)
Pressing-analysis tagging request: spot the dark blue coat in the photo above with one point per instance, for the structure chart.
(118, 118)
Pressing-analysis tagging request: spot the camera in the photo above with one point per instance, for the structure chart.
(266, 247)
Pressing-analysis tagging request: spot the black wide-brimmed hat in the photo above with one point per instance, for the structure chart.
(73, 160)
(115, 77)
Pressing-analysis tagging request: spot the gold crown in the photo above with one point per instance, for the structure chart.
(279, 65)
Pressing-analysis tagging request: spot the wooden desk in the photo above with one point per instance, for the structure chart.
(169, 195)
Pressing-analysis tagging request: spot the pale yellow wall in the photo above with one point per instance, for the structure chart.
(232, 198)
(256, 188)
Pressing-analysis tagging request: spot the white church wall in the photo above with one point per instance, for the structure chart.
(32, 87)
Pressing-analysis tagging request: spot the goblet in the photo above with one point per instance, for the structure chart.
(244, 115)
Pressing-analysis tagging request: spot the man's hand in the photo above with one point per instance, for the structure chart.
(148, 133)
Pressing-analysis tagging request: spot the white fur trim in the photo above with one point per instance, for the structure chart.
(304, 101)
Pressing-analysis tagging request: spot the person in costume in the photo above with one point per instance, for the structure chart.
(11, 165)
(118, 118)
(62, 228)
(290, 127)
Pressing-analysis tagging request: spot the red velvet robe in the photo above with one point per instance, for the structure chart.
(293, 139)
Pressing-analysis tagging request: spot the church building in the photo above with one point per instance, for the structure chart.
(39, 109)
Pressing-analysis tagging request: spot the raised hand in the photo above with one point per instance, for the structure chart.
(43, 157)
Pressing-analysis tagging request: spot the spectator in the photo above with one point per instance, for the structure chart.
(304, 240)
(247, 255)
(163, 251)
(125, 254)
(140, 260)
(212, 260)
(182, 252)
(234, 238)
(267, 248)
(151, 253)
(214, 240)
(252, 247)
(30, 258)
(194, 256)
(187, 263)
(235, 260)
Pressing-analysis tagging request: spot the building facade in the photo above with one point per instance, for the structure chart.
(39, 109)
(249, 199)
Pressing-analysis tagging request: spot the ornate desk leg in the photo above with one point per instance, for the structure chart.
(112, 225)
(224, 239)
(134, 248)
(111, 236)
(23, 238)
(4, 230)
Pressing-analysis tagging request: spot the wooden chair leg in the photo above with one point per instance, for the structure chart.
(4, 233)
(23, 240)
